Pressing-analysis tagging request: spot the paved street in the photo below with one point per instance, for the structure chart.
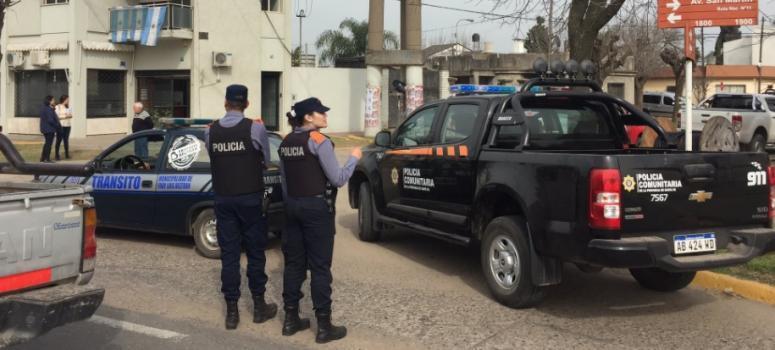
(407, 292)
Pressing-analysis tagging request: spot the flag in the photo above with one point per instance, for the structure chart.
(154, 21)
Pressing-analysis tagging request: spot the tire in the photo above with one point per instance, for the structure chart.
(758, 144)
(205, 234)
(367, 231)
(662, 281)
(505, 257)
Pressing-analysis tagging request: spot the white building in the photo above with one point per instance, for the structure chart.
(56, 47)
(745, 51)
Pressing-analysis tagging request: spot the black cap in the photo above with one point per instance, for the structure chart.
(237, 93)
(308, 106)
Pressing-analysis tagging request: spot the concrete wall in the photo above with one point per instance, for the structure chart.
(341, 89)
(629, 86)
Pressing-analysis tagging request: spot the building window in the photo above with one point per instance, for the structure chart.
(270, 5)
(33, 85)
(735, 89)
(616, 89)
(106, 95)
(54, 2)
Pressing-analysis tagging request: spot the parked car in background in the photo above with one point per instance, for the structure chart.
(751, 114)
(658, 103)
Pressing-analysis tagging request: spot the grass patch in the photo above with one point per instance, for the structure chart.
(761, 269)
(30, 151)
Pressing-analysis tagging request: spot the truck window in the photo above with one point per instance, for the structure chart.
(770, 104)
(733, 102)
(417, 129)
(651, 99)
(459, 122)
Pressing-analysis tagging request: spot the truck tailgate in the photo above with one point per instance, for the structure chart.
(693, 191)
(41, 233)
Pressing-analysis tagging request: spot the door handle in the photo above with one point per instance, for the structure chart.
(706, 115)
(147, 183)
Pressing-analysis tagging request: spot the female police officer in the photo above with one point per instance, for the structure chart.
(310, 175)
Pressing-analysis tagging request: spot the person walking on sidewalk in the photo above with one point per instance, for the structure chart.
(239, 150)
(65, 115)
(311, 175)
(49, 127)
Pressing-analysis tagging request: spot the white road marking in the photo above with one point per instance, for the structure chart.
(137, 328)
(631, 307)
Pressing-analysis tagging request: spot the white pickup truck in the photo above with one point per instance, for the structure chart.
(753, 116)
(47, 251)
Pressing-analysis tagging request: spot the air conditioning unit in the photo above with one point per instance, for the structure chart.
(14, 59)
(40, 58)
(221, 59)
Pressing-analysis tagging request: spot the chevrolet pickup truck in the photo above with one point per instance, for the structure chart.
(753, 116)
(539, 178)
(47, 251)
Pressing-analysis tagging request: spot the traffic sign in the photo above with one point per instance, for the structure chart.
(707, 13)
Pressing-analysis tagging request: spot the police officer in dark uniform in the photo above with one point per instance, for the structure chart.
(238, 148)
(311, 175)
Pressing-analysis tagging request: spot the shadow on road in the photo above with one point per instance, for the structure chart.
(162, 238)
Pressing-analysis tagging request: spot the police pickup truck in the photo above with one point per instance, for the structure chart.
(159, 181)
(548, 175)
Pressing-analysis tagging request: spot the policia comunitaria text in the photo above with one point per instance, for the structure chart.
(238, 149)
(311, 175)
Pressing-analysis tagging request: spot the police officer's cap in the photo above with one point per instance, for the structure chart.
(237, 93)
(308, 106)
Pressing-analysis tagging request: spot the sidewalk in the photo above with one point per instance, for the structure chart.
(91, 142)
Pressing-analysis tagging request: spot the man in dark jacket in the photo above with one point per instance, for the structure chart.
(49, 126)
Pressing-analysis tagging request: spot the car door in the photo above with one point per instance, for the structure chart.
(452, 164)
(406, 168)
(125, 181)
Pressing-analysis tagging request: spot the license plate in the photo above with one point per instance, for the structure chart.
(697, 243)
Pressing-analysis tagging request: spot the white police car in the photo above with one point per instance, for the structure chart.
(159, 180)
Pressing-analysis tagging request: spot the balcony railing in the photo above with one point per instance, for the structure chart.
(179, 16)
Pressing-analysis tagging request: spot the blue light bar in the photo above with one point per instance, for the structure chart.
(482, 89)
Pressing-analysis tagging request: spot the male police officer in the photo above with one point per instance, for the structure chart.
(238, 148)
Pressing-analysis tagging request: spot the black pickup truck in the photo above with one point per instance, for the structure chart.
(548, 175)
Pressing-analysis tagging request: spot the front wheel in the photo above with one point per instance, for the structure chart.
(660, 280)
(206, 234)
(505, 255)
(366, 225)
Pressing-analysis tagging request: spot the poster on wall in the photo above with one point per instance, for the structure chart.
(373, 107)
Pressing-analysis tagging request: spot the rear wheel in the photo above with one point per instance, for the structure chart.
(366, 225)
(660, 280)
(758, 144)
(505, 255)
(206, 234)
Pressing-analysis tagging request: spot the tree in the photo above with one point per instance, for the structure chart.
(350, 40)
(673, 57)
(296, 57)
(585, 20)
(726, 34)
(537, 37)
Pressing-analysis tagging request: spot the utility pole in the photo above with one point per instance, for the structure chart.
(301, 16)
(761, 47)
(551, 34)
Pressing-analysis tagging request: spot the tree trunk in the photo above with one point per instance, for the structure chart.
(585, 20)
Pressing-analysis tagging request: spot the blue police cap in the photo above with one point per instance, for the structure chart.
(237, 93)
(308, 106)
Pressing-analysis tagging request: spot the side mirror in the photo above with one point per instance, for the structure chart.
(382, 139)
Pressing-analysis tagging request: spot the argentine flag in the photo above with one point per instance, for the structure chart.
(154, 20)
(137, 24)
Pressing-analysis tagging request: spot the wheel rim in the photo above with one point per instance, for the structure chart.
(504, 262)
(210, 233)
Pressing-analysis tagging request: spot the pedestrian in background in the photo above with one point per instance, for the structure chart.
(310, 175)
(239, 150)
(141, 121)
(64, 114)
(49, 127)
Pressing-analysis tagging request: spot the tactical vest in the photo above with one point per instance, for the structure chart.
(304, 177)
(236, 165)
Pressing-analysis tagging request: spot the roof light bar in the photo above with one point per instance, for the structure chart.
(482, 89)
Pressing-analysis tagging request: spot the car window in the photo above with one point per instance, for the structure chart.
(770, 104)
(417, 129)
(187, 153)
(669, 101)
(651, 99)
(733, 102)
(459, 122)
(274, 146)
(138, 154)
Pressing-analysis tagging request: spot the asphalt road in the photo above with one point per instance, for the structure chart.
(407, 292)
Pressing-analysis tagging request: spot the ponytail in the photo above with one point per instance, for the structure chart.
(294, 120)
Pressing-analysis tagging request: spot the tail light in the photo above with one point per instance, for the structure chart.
(771, 178)
(89, 254)
(605, 199)
(737, 122)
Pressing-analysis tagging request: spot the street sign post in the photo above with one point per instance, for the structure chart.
(689, 14)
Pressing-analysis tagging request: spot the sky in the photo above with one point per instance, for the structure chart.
(436, 22)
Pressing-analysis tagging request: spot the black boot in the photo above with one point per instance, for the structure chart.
(293, 323)
(232, 315)
(262, 311)
(326, 331)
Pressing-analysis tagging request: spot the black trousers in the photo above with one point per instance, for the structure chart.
(240, 224)
(63, 137)
(308, 242)
(45, 155)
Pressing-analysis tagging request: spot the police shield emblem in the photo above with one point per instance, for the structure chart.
(184, 151)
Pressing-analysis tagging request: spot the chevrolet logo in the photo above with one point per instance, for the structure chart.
(701, 196)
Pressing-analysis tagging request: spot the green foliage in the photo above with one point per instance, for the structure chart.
(350, 40)
(537, 37)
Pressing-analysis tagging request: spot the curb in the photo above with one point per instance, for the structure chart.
(747, 289)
